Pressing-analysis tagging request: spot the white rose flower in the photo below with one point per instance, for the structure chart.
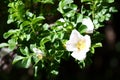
(89, 24)
(78, 44)
(38, 52)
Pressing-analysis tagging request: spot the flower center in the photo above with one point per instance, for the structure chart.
(40, 56)
(80, 44)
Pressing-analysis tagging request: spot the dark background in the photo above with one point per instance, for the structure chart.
(105, 65)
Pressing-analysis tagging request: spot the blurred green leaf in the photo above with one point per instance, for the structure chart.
(44, 40)
(24, 51)
(3, 45)
(55, 72)
(85, 0)
(35, 71)
(54, 36)
(35, 59)
(95, 46)
(110, 1)
(25, 23)
(17, 58)
(37, 19)
(26, 62)
(62, 4)
(81, 28)
(112, 9)
(45, 1)
(28, 36)
(45, 26)
(79, 18)
(32, 46)
(10, 32)
(12, 44)
(23, 62)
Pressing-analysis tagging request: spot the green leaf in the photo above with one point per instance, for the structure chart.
(86, 0)
(29, 14)
(17, 58)
(35, 59)
(11, 4)
(67, 1)
(54, 36)
(54, 72)
(62, 4)
(60, 8)
(23, 36)
(3, 45)
(44, 40)
(97, 45)
(28, 36)
(38, 19)
(24, 51)
(45, 26)
(25, 23)
(45, 1)
(110, 1)
(35, 72)
(10, 32)
(81, 28)
(26, 62)
(60, 35)
(70, 13)
(92, 50)
(12, 44)
(23, 62)
(10, 19)
(79, 18)
(32, 46)
(113, 9)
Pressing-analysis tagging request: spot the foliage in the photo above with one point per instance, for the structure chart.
(36, 28)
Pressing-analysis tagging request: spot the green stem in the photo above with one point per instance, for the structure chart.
(93, 8)
(32, 28)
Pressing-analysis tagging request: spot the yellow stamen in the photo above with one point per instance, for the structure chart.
(40, 56)
(80, 44)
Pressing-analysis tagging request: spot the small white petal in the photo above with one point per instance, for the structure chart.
(37, 51)
(79, 55)
(88, 22)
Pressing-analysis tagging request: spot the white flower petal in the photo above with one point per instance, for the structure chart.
(79, 55)
(75, 36)
(37, 51)
(88, 42)
(88, 22)
(70, 46)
